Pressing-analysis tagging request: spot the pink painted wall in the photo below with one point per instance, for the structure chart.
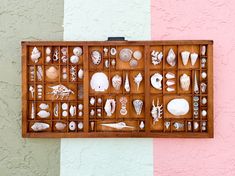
(201, 19)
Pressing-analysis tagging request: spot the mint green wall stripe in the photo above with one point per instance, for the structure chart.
(96, 20)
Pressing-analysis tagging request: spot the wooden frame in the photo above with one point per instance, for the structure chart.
(147, 93)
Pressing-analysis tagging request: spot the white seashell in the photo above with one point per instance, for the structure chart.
(167, 124)
(203, 87)
(99, 100)
(170, 82)
(92, 112)
(141, 125)
(56, 55)
(64, 106)
(39, 73)
(48, 50)
(203, 50)
(170, 89)
(60, 126)
(52, 73)
(43, 106)
(39, 126)
(119, 125)
(106, 50)
(31, 89)
(56, 110)
(178, 125)
(178, 107)
(125, 54)
(92, 125)
(156, 81)
(35, 55)
(170, 75)
(156, 57)
(189, 126)
(80, 107)
(72, 110)
(123, 110)
(204, 100)
(137, 55)
(80, 73)
(92, 101)
(117, 82)
(109, 107)
(138, 105)
(203, 62)
(43, 114)
(133, 63)
(113, 62)
(39, 91)
(74, 59)
(72, 126)
(80, 125)
(80, 114)
(32, 111)
(204, 113)
(65, 114)
(96, 57)
(196, 88)
(77, 51)
(65, 76)
(106, 63)
(195, 125)
(193, 57)
(204, 75)
(48, 59)
(99, 82)
(185, 82)
(138, 78)
(185, 57)
(171, 58)
(113, 51)
(156, 111)
(127, 84)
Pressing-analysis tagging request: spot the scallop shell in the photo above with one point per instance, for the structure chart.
(138, 105)
(39, 126)
(117, 82)
(43, 114)
(96, 57)
(185, 82)
(43, 106)
(80, 73)
(185, 57)
(137, 55)
(99, 82)
(60, 126)
(74, 59)
(52, 73)
(193, 57)
(125, 54)
(171, 58)
(77, 51)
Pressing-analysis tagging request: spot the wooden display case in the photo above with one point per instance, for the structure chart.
(37, 89)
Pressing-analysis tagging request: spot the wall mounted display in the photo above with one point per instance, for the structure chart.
(117, 89)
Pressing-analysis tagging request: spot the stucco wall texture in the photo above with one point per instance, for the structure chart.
(200, 19)
(24, 20)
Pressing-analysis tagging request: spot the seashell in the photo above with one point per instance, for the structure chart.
(170, 89)
(204, 100)
(99, 82)
(92, 112)
(65, 114)
(113, 62)
(193, 57)
(203, 62)
(189, 126)
(119, 125)
(106, 50)
(185, 82)
(43, 114)
(116, 82)
(60, 126)
(178, 107)
(204, 75)
(106, 63)
(65, 76)
(35, 55)
(170, 75)
(92, 101)
(109, 107)
(156, 111)
(39, 73)
(171, 58)
(203, 126)
(31, 89)
(178, 125)
(141, 125)
(127, 84)
(123, 110)
(125, 54)
(80, 107)
(64, 51)
(99, 100)
(203, 50)
(72, 110)
(48, 50)
(113, 51)
(204, 113)
(133, 63)
(156, 57)
(56, 55)
(74, 59)
(137, 55)
(72, 125)
(80, 125)
(32, 111)
(138, 78)
(138, 105)
(170, 82)
(80, 73)
(167, 124)
(52, 73)
(98, 110)
(64, 106)
(48, 59)
(92, 125)
(203, 87)
(56, 110)
(196, 88)
(64, 59)
(96, 57)
(195, 125)
(80, 114)
(77, 51)
(39, 126)
(156, 81)
(43, 106)
(185, 57)
(73, 74)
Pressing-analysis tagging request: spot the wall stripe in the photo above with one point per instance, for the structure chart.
(96, 20)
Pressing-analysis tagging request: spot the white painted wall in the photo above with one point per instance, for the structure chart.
(96, 20)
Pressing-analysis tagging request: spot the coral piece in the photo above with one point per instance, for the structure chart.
(156, 57)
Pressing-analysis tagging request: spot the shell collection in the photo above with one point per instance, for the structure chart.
(95, 89)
